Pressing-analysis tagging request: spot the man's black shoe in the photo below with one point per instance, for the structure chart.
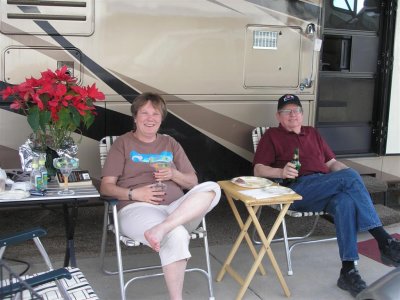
(352, 282)
(390, 254)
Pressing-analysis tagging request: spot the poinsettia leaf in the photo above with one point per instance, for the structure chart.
(45, 97)
(76, 117)
(64, 119)
(88, 120)
(89, 102)
(33, 118)
(44, 119)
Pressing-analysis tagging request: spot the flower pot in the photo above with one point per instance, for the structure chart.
(50, 155)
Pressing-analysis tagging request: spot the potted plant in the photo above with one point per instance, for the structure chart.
(55, 106)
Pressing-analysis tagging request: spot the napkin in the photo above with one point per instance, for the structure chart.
(267, 192)
(14, 195)
(23, 186)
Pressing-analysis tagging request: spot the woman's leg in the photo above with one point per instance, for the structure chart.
(192, 206)
(174, 252)
(174, 244)
(174, 274)
(158, 237)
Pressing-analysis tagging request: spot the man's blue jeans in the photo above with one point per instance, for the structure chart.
(343, 195)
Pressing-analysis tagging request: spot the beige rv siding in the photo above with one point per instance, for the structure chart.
(199, 54)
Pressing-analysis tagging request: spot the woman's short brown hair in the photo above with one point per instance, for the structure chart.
(156, 100)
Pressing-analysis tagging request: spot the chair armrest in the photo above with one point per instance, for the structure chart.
(111, 200)
(22, 236)
(35, 281)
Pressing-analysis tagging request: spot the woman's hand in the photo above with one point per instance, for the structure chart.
(148, 194)
(164, 174)
(185, 180)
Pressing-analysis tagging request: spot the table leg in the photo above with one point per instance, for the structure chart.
(70, 218)
(266, 246)
(244, 229)
(264, 249)
(243, 234)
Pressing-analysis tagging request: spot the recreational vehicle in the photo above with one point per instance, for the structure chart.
(221, 66)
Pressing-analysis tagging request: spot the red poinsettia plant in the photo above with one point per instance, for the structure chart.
(55, 105)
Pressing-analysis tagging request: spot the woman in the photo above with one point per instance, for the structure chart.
(161, 219)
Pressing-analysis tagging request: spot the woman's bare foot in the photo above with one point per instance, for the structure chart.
(154, 236)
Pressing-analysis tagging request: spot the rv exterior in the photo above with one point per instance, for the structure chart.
(220, 65)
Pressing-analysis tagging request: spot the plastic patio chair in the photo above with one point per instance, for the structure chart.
(111, 224)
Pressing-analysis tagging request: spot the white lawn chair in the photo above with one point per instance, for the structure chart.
(299, 240)
(63, 283)
(111, 224)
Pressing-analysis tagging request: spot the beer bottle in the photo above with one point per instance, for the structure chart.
(296, 160)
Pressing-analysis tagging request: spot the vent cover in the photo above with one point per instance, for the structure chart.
(72, 17)
(272, 57)
(265, 39)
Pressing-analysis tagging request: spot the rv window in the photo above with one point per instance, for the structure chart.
(353, 14)
(344, 4)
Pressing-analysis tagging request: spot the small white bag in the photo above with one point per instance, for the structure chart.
(3, 177)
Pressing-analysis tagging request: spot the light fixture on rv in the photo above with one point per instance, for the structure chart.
(307, 83)
(310, 29)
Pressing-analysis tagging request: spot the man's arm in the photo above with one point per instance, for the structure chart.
(261, 170)
(289, 171)
(335, 165)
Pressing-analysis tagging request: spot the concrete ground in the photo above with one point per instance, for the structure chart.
(316, 266)
(316, 269)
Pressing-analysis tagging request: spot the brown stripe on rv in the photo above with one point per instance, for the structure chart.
(226, 128)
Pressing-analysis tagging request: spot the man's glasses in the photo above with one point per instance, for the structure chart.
(287, 112)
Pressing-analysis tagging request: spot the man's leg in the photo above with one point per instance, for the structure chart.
(325, 192)
(353, 210)
(349, 182)
(342, 188)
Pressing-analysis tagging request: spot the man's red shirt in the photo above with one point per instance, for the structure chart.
(277, 145)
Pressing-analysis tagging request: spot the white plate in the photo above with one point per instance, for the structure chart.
(278, 190)
(251, 182)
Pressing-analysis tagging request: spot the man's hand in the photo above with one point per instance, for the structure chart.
(289, 171)
(335, 165)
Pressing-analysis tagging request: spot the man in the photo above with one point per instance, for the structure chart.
(325, 184)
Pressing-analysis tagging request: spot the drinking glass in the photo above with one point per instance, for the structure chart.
(159, 163)
(66, 165)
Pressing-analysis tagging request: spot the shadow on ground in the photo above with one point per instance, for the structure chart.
(222, 228)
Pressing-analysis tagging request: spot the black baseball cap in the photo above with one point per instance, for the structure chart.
(288, 99)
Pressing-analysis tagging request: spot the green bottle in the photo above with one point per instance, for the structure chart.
(36, 177)
(43, 170)
(296, 160)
